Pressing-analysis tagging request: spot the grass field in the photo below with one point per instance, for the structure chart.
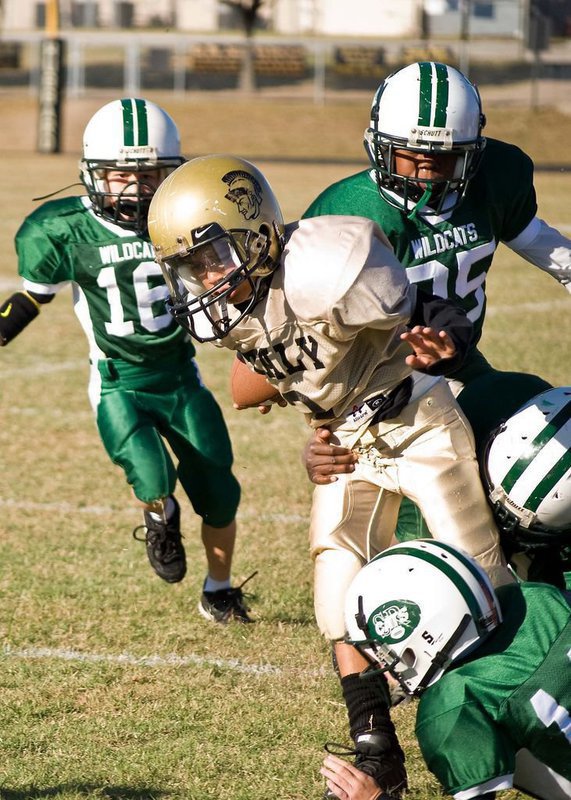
(112, 685)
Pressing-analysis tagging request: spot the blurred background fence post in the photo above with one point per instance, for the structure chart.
(52, 62)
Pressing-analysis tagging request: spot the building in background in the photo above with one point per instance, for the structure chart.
(317, 46)
(385, 18)
(360, 18)
(494, 17)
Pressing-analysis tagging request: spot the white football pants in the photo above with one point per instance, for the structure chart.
(426, 454)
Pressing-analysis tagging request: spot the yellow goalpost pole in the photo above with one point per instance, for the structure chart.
(52, 18)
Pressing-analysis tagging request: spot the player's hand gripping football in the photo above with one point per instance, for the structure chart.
(429, 346)
(265, 407)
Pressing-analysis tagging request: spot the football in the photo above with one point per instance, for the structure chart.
(249, 389)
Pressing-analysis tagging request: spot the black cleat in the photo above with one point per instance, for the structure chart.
(225, 604)
(164, 546)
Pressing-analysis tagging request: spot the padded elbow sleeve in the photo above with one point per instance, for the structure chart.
(15, 314)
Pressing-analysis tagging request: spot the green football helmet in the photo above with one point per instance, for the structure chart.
(418, 607)
(129, 135)
(432, 108)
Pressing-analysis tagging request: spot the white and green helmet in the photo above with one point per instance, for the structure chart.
(425, 107)
(527, 469)
(417, 607)
(132, 135)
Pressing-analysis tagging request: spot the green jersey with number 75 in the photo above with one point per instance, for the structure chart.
(450, 254)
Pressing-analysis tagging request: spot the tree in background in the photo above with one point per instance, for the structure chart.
(248, 11)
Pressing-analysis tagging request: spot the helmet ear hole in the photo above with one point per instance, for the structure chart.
(259, 251)
(262, 243)
(408, 657)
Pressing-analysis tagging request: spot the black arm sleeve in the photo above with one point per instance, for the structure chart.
(42, 299)
(444, 315)
(17, 312)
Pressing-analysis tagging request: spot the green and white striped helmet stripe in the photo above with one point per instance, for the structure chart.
(446, 569)
(135, 127)
(433, 97)
(555, 473)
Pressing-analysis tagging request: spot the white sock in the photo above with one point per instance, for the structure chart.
(210, 585)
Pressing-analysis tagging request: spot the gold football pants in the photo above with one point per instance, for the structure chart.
(426, 454)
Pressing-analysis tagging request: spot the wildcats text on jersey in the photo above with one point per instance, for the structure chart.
(126, 251)
(440, 241)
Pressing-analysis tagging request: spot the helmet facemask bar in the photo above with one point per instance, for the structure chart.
(129, 207)
(401, 667)
(425, 108)
(531, 537)
(431, 196)
(245, 250)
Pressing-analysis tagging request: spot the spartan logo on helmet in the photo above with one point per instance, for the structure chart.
(245, 191)
(395, 620)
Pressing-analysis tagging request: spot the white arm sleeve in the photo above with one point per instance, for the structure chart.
(43, 288)
(547, 248)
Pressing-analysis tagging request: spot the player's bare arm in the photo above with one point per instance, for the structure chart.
(324, 461)
(429, 346)
(347, 782)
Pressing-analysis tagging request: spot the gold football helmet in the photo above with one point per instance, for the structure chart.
(216, 209)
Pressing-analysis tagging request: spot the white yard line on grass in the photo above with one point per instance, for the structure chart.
(59, 508)
(44, 368)
(156, 661)
(70, 508)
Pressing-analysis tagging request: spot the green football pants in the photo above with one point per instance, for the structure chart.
(141, 409)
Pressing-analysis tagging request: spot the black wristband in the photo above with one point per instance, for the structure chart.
(15, 313)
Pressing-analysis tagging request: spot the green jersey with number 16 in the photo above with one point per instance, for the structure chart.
(119, 292)
(449, 255)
